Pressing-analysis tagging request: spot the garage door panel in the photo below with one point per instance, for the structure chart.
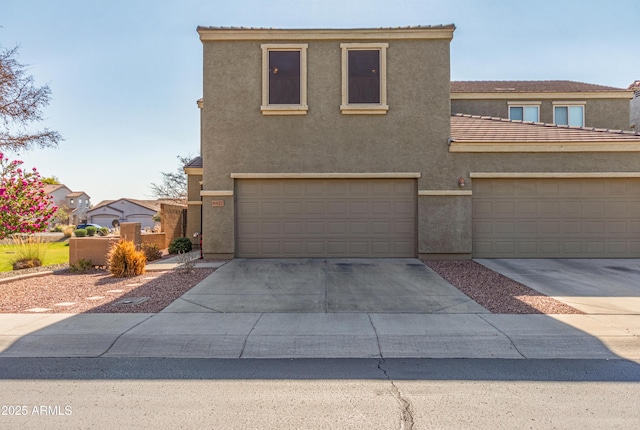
(571, 218)
(327, 218)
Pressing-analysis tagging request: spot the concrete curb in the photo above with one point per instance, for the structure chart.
(26, 276)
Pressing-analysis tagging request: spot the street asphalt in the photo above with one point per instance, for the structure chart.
(350, 308)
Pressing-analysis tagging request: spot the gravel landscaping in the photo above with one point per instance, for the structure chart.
(496, 292)
(97, 291)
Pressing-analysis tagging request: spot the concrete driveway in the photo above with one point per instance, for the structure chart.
(594, 286)
(325, 286)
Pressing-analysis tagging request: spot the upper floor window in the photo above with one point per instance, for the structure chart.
(284, 79)
(70, 201)
(524, 113)
(568, 115)
(364, 78)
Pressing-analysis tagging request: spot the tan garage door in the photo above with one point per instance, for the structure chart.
(556, 218)
(326, 218)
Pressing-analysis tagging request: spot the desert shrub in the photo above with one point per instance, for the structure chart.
(185, 264)
(30, 251)
(103, 231)
(91, 230)
(68, 230)
(180, 245)
(151, 251)
(81, 266)
(80, 232)
(125, 261)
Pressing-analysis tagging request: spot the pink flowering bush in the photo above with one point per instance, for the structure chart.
(24, 205)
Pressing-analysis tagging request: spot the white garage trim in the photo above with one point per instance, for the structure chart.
(516, 175)
(389, 175)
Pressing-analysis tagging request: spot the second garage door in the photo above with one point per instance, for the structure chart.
(277, 218)
(556, 218)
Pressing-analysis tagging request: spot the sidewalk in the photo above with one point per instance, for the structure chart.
(321, 335)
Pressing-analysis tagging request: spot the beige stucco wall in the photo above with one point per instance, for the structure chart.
(635, 112)
(612, 114)
(237, 138)
(193, 208)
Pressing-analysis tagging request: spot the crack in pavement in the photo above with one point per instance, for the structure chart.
(406, 414)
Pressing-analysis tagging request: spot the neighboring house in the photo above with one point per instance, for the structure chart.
(635, 105)
(73, 205)
(341, 143)
(552, 102)
(111, 213)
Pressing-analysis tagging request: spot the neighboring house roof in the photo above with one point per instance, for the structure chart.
(153, 205)
(196, 162)
(635, 85)
(50, 188)
(77, 194)
(528, 87)
(472, 133)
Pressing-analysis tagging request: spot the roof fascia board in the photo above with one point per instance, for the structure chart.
(601, 146)
(232, 34)
(193, 170)
(545, 96)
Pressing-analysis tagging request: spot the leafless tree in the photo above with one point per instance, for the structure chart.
(174, 184)
(21, 103)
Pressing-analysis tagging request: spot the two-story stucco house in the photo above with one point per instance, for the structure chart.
(341, 143)
(73, 205)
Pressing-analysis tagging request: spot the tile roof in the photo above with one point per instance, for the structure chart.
(635, 85)
(77, 194)
(527, 87)
(195, 163)
(473, 128)
(49, 188)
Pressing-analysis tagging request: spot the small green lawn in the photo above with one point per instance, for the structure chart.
(56, 253)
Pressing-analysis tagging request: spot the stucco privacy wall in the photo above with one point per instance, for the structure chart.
(237, 138)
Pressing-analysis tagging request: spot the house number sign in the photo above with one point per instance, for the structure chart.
(217, 203)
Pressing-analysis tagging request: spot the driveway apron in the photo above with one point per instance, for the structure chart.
(325, 286)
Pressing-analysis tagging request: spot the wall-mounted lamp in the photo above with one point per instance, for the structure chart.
(461, 182)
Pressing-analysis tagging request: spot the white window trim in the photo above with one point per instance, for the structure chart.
(568, 105)
(281, 109)
(364, 108)
(523, 105)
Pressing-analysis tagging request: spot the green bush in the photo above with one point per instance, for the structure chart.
(91, 230)
(124, 260)
(103, 231)
(151, 251)
(180, 245)
(57, 229)
(81, 232)
(81, 266)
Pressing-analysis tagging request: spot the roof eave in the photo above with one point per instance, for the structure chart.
(218, 34)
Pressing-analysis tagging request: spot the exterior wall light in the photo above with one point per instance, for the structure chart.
(461, 182)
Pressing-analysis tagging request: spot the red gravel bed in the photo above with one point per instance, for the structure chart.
(96, 292)
(495, 292)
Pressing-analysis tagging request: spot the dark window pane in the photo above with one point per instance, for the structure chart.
(364, 76)
(284, 77)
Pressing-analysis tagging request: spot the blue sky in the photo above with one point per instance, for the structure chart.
(125, 74)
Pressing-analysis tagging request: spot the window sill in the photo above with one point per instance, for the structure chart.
(364, 109)
(284, 110)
